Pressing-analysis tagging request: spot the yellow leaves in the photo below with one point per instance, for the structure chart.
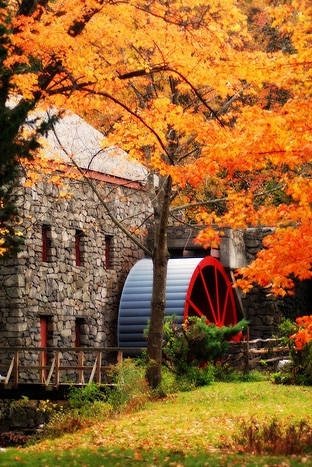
(3, 233)
(235, 27)
(26, 84)
(208, 238)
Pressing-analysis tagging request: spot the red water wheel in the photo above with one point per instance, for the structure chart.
(210, 294)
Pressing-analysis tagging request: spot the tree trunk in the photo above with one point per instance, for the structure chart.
(158, 304)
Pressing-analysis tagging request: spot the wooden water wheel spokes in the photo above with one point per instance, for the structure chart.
(210, 294)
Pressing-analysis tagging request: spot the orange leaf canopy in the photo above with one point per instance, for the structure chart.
(197, 91)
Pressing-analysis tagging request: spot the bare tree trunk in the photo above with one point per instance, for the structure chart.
(160, 261)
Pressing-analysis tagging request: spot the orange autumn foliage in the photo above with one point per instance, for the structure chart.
(304, 334)
(192, 90)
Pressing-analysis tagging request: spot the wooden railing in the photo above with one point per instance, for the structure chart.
(51, 366)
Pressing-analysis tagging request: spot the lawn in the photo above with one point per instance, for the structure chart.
(187, 429)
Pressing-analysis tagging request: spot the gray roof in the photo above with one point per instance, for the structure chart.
(75, 137)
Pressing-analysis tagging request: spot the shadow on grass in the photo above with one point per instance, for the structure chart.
(128, 457)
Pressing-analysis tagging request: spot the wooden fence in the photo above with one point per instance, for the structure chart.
(51, 366)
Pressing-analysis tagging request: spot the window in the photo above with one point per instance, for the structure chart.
(46, 242)
(79, 331)
(108, 260)
(79, 247)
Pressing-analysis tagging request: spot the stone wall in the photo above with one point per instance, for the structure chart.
(262, 309)
(66, 294)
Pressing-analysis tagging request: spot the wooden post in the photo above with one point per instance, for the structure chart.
(42, 366)
(43, 344)
(81, 361)
(8, 375)
(119, 356)
(57, 368)
(93, 369)
(47, 382)
(15, 368)
(98, 366)
(247, 353)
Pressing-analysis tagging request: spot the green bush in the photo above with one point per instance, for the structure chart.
(286, 329)
(85, 404)
(168, 384)
(79, 397)
(195, 344)
(226, 373)
(96, 410)
(299, 371)
(67, 421)
(302, 364)
(201, 376)
(128, 385)
(90, 402)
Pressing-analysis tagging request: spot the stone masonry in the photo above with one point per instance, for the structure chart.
(58, 289)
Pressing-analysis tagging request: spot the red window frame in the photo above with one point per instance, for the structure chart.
(78, 248)
(46, 243)
(108, 261)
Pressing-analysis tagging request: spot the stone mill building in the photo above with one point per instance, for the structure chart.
(62, 288)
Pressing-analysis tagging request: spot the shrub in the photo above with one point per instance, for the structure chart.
(285, 329)
(303, 335)
(129, 385)
(273, 437)
(78, 414)
(201, 376)
(67, 421)
(302, 364)
(196, 343)
(300, 344)
(168, 384)
(226, 373)
(79, 397)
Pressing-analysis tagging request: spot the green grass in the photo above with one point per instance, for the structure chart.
(186, 429)
(157, 458)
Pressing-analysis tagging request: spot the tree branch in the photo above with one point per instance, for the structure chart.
(102, 201)
(220, 200)
(157, 69)
(134, 114)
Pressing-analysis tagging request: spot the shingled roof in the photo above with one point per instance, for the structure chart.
(75, 137)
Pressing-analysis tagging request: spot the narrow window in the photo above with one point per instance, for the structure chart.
(79, 322)
(79, 247)
(46, 242)
(44, 331)
(108, 251)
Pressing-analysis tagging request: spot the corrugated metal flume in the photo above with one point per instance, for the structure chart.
(195, 286)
